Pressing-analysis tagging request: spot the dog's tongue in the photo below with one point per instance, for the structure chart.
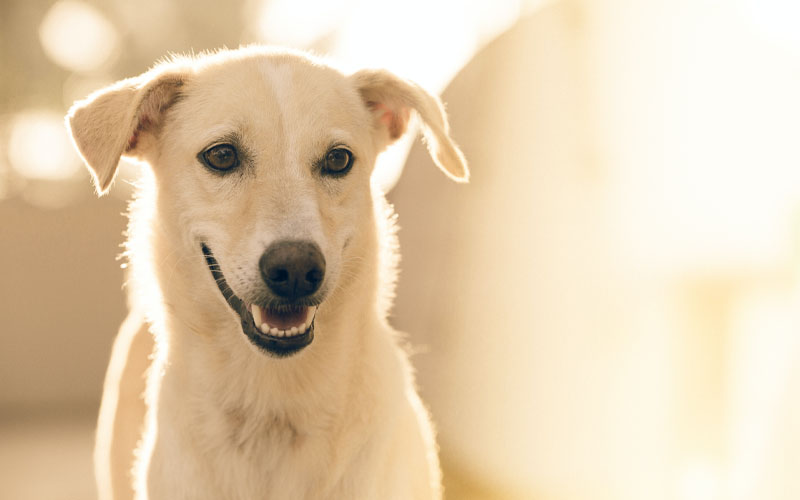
(284, 319)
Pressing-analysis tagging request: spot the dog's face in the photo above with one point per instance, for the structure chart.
(269, 170)
(263, 160)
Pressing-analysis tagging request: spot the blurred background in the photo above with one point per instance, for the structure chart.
(609, 310)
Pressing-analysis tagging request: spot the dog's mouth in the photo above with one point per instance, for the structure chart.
(285, 322)
(280, 330)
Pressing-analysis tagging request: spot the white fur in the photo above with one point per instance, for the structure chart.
(341, 419)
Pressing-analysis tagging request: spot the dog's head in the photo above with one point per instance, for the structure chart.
(262, 161)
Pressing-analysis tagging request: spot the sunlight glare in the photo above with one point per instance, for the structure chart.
(77, 36)
(298, 23)
(39, 147)
(699, 481)
(764, 348)
(776, 19)
(4, 187)
(428, 48)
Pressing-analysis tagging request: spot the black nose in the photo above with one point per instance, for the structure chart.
(292, 269)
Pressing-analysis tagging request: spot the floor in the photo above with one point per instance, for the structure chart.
(46, 458)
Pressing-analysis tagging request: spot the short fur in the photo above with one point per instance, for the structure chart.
(341, 419)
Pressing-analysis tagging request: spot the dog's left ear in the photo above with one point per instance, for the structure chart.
(120, 120)
(391, 99)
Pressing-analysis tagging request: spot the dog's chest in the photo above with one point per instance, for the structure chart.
(258, 456)
(271, 457)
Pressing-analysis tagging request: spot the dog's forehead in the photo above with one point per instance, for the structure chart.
(271, 96)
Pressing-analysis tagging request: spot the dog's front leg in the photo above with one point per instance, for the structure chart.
(122, 410)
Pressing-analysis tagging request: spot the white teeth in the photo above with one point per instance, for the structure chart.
(266, 329)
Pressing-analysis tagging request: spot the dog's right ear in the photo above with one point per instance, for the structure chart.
(390, 99)
(120, 119)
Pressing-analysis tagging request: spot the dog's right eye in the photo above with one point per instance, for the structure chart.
(221, 157)
(337, 162)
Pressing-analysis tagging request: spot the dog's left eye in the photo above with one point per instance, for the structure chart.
(338, 161)
(220, 157)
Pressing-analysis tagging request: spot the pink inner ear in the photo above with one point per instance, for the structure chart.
(132, 140)
(144, 121)
(395, 122)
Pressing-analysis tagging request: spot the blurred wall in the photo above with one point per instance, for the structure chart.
(610, 309)
(521, 269)
(62, 303)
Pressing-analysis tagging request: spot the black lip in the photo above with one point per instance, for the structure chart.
(276, 346)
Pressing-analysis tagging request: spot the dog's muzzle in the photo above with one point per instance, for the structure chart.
(293, 272)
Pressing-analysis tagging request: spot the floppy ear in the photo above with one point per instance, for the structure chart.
(118, 120)
(391, 99)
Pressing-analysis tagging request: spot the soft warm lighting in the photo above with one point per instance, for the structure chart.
(776, 19)
(298, 22)
(427, 42)
(129, 173)
(699, 481)
(39, 147)
(4, 187)
(77, 86)
(77, 36)
(764, 351)
(389, 164)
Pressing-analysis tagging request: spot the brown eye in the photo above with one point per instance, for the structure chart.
(220, 157)
(338, 161)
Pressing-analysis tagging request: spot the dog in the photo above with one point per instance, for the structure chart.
(262, 261)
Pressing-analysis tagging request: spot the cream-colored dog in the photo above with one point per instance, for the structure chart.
(262, 259)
